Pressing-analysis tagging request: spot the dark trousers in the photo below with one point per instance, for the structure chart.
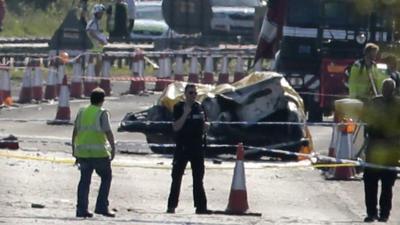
(371, 179)
(102, 166)
(181, 159)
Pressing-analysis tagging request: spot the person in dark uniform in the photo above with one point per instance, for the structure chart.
(392, 71)
(383, 119)
(189, 126)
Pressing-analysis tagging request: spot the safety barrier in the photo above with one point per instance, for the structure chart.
(190, 66)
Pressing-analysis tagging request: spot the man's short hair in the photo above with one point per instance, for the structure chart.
(97, 96)
(189, 86)
(388, 81)
(369, 47)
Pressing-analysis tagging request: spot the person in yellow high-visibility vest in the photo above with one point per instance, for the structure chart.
(91, 131)
(365, 79)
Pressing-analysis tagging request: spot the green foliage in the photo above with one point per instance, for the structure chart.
(39, 18)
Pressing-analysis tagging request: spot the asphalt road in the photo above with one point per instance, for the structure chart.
(42, 173)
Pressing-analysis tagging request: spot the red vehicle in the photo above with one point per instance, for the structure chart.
(316, 40)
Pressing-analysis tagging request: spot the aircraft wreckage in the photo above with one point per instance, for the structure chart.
(254, 111)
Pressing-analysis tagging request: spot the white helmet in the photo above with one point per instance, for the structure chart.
(98, 8)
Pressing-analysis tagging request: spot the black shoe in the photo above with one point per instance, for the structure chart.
(203, 211)
(171, 210)
(106, 213)
(370, 219)
(383, 219)
(85, 214)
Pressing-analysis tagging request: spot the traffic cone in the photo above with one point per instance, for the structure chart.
(306, 149)
(89, 82)
(239, 72)
(105, 83)
(63, 115)
(25, 95)
(208, 76)
(50, 91)
(193, 72)
(137, 82)
(179, 72)
(76, 80)
(238, 196)
(37, 83)
(258, 66)
(223, 77)
(5, 87)
(341, 147)
(164, 73)
(60, 76)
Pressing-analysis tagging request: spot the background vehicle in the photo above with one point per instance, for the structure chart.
(233, 17)
(319, 39)
(149, 23)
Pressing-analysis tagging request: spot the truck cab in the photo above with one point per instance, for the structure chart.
(321, 39)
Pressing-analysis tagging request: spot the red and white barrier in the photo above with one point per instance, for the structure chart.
(37, 84)
(89, 82)
(223, 77)
(76, 80)
(194, 71)
(239, 71)
(208, 75)
(137, 85)
(25, 96)
(52, 81)
(5, 86)
(105, 76)
(179, 72)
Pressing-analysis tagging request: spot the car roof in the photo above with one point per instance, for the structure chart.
(148, 3)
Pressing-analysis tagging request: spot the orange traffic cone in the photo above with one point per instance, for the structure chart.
(5, 86)
(90, 83)
(76, 81)
(223, 77)
(342, 148)
(63, 115)
(51, 84)
(37, 83)
(164, 73)
(208, 76)
(105, 83)
(193, 73)
(137, 83)
(25, 96)
(258, 66)
(239, 71)
(179, 73)
(238, 196)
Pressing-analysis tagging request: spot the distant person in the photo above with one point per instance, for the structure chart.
(189, 127)
(91, 131)
(382, 116)
(365, 79)
(95, 32)
(119, 19)
(391, 62)
(2, 13)
(94, 29)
